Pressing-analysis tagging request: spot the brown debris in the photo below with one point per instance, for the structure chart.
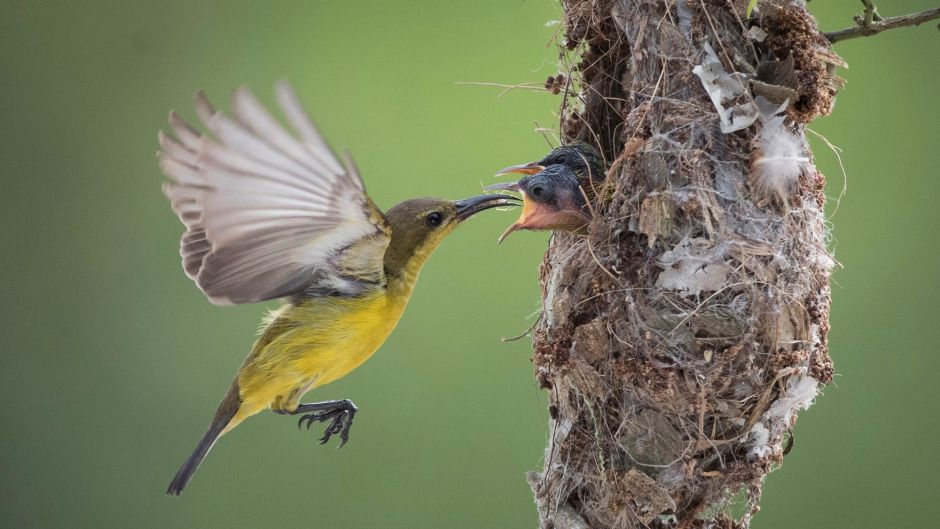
(656, 214)
(793, 33)
(648, 499)
(591, 341)
(556, 83)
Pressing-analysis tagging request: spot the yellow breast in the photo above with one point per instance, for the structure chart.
(357, 332)
(316, 342)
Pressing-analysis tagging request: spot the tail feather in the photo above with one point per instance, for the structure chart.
(217, 427)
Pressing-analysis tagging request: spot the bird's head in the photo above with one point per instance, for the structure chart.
(583, 159)
(552, 200)
(419, 225)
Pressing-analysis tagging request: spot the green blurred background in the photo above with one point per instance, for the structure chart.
(113, 362)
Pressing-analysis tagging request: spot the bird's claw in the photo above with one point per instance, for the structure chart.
(340, 422)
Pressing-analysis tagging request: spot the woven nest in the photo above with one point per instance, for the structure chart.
(682, 334)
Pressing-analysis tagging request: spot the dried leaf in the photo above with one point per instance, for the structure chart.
(723, 87)
(656, 217)
(649, 498)
(692, 267)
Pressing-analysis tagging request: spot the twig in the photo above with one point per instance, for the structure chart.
(845, 176)
(545, 132)
(536, 87)
(870, 14)
(524, 334)
(871, 23)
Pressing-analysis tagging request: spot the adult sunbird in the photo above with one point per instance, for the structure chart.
(555, 189)
(272, 215)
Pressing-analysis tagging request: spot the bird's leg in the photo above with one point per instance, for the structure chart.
(340, 413)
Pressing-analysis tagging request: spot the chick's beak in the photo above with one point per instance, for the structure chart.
(503, 186)
(530, 210)
(469, 207)
(523, 168)
(540, 216)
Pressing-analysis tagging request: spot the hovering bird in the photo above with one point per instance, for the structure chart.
(272, 215)
(556, 188)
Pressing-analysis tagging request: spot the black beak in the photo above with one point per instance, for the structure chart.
(469, 207)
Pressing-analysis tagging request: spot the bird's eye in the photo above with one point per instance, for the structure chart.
(537, 191)
(434, 219)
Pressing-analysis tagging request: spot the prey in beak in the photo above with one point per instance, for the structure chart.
(552, 200)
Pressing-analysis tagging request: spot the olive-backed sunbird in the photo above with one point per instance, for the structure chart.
(555, 189)
(273, 214)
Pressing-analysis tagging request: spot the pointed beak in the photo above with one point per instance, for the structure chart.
(529, 209)
(523, 168)
(469, 207)
(513, 227)
(539, 216)
(503, 186)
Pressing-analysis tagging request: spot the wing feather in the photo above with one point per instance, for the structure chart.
(253, 116)
(268, 214)
(236, 138)
(303, 124)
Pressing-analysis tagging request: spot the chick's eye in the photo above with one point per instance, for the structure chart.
(434, 219)
(537, 191)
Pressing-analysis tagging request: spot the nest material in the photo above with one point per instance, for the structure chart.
(681, 336)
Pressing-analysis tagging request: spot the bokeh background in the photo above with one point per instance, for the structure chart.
(112, 362)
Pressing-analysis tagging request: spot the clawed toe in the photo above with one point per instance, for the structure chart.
(340, 417)
(310, 418)
(340, 425)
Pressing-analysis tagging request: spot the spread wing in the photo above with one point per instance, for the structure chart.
(269, 214)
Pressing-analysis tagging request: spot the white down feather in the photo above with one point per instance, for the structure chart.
(779, 160)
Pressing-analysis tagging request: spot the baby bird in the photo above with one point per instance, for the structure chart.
(556, 189)
(552, 200)
(580, 157)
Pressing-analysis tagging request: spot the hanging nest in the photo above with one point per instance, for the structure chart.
(683, 333)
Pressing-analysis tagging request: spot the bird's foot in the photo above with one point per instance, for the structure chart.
(339, 413)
